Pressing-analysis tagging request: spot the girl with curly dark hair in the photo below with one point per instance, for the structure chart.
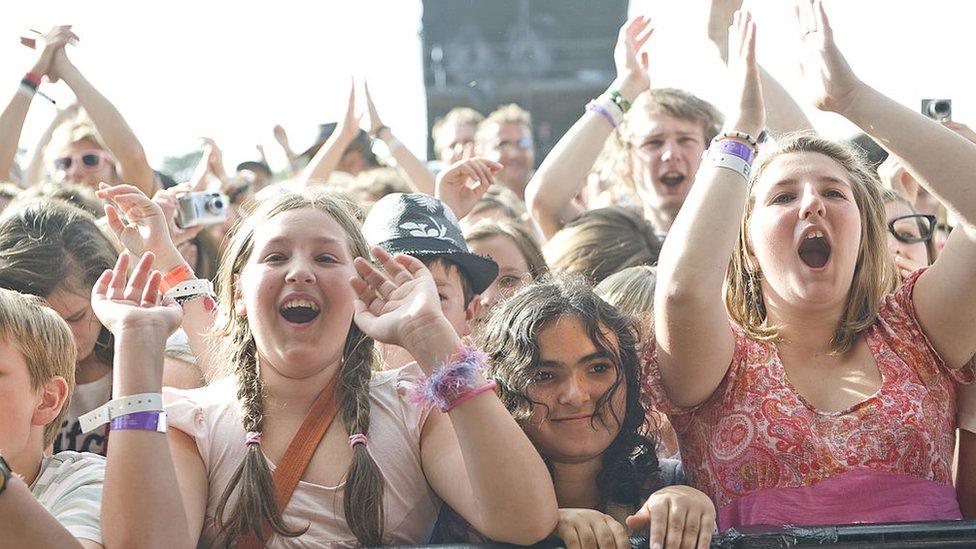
(567, 369)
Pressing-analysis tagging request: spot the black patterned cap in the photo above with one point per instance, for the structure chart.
(422, 226)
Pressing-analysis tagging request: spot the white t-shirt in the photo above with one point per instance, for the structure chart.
(85, 398)
(69, 486)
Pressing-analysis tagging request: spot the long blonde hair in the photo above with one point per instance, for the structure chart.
(874, 272)
(256, 503)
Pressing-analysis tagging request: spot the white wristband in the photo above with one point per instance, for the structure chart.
(712, 159)
(195, 286)
(608, 104)
(142, 402)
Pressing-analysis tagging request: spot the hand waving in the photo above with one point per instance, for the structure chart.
(463, 183)
(135, 304)
(147, 229)
(746, 111)
(398, 306)
(630, 57)
(827, 77)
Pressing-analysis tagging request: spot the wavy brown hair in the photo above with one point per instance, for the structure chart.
(874, 272)
(363, 495)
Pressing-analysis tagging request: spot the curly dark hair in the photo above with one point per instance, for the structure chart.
(630, 471)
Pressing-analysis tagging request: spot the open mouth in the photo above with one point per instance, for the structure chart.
(672, 179)
(300, 311)
(814, 250)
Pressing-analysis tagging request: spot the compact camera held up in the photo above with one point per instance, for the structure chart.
(201, 208)
(937, 109)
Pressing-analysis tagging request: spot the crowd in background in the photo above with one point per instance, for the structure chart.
(683, 319)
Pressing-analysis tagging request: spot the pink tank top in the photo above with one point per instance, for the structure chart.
(209, 415)
(765, 456)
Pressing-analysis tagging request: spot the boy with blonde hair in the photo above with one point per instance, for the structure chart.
(45, 500)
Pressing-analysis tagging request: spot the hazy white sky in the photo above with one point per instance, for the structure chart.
(179, 70)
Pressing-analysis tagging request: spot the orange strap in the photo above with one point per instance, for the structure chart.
(299, 453)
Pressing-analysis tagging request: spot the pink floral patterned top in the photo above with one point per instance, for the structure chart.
(756, 447)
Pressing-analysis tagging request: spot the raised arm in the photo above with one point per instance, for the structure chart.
(34, 172)
(141, 501)
(412, 168)
(13, 116)
(783, 113)
(474, 456)
(694, 340)
(330, 154)
(133, 167)
(549, 194)
(150, 230)
(938, 158)
(281, 136)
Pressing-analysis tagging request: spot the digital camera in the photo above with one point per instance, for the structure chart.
(201, 208)
(937, 109)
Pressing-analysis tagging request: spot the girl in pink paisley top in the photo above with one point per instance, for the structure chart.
(815, 394)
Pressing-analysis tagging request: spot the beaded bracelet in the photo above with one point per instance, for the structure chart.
(619, 100)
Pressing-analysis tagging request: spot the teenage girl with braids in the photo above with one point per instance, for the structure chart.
(299, 305)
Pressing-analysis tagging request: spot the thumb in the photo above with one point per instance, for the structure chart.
(639, 520)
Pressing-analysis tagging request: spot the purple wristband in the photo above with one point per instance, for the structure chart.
(736, 148)
(141, 421)
(596, 107)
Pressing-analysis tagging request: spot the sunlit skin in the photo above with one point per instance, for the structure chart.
(797, 193)
(513, 271)
(915, 252)
(82, 175)
(573, 375)
(664, 157)
(288, 262)
(501, 144)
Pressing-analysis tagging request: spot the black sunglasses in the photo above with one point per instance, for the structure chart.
(913, 228)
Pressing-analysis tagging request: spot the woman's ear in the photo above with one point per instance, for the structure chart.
(239, 308)
(54, 396)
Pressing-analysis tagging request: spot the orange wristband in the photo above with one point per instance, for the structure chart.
(180, 273)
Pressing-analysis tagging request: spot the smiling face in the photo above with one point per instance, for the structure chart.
(294, 290)
(513, 271)
(568, 424)
(664, 155)
(805, 230)
(88, 165)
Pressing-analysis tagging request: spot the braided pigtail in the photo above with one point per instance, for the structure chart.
(363, 496)
(257, 503)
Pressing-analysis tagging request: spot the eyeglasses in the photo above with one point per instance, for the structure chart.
(88, 160)
(912, 229)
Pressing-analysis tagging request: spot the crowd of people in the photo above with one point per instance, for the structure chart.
(685, 320)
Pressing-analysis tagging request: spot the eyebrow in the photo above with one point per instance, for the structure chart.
(822, 179)
(318, 240)
(598, 355)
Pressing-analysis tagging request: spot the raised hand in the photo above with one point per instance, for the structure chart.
(678, 516)
(893, 176)
(281, 137)
(630, 57)
(828, 80)
(720, 14)
(215, 158)
(349, 125)
(746, 111)
(147, 229)
(586, 528)
(374, 116)
(132, 303)
(463, 183)
(398, 305)
(54, 40)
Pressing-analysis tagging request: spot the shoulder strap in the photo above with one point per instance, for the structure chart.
(299, 453)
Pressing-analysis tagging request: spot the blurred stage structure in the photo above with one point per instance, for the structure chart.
(549, 56)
